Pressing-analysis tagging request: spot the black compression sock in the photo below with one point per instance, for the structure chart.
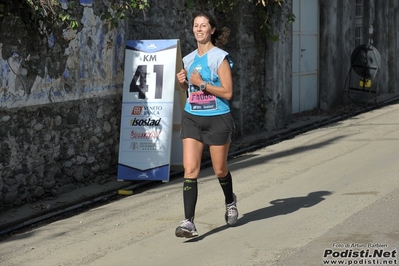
(190, 194)
(227, 186)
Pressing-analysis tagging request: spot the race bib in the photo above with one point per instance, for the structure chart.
(200, 100)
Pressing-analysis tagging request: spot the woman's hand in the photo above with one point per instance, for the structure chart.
(182, 79)
(195, 78)
(182, 76)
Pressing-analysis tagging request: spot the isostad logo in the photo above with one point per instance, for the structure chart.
(145, 122)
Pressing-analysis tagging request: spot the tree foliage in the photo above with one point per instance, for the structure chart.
(264, 10)
(48, 14)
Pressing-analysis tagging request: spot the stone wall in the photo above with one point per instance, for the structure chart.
(60, 106)
(52, 149)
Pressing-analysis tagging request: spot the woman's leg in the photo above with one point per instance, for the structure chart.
(192, 154)
(219, 155)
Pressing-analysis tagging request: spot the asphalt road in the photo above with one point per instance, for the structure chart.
(327, 195)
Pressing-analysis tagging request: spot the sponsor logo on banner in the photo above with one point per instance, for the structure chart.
(145, 122)
(149, 134)
(143, 175)
(152, 46)
(137, 110)
(147, 146)
(147, 110)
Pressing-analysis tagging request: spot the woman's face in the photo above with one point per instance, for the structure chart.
(202, 29)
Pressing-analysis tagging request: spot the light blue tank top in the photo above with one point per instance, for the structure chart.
(198, 102)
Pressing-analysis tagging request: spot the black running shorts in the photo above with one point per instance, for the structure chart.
(211, 130)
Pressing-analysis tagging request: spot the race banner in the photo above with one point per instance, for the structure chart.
(149, 112)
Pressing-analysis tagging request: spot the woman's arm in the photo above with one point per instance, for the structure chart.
(226, 81)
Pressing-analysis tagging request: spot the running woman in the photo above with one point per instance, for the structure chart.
(206, 119)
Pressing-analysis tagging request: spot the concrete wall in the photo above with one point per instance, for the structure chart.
(393, 45)
(278, 78)
(93, 68)
(337, 42)
(385, 19)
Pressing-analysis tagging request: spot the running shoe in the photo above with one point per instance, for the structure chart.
(186, 229)
(231, 215)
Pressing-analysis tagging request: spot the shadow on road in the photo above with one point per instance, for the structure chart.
(278, 207)
(250, 159)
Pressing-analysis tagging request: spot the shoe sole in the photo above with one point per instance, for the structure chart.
(180, 232)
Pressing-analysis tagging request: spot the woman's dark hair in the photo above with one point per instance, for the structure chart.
(220, 37)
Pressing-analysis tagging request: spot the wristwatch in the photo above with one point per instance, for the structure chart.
(203, 86)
